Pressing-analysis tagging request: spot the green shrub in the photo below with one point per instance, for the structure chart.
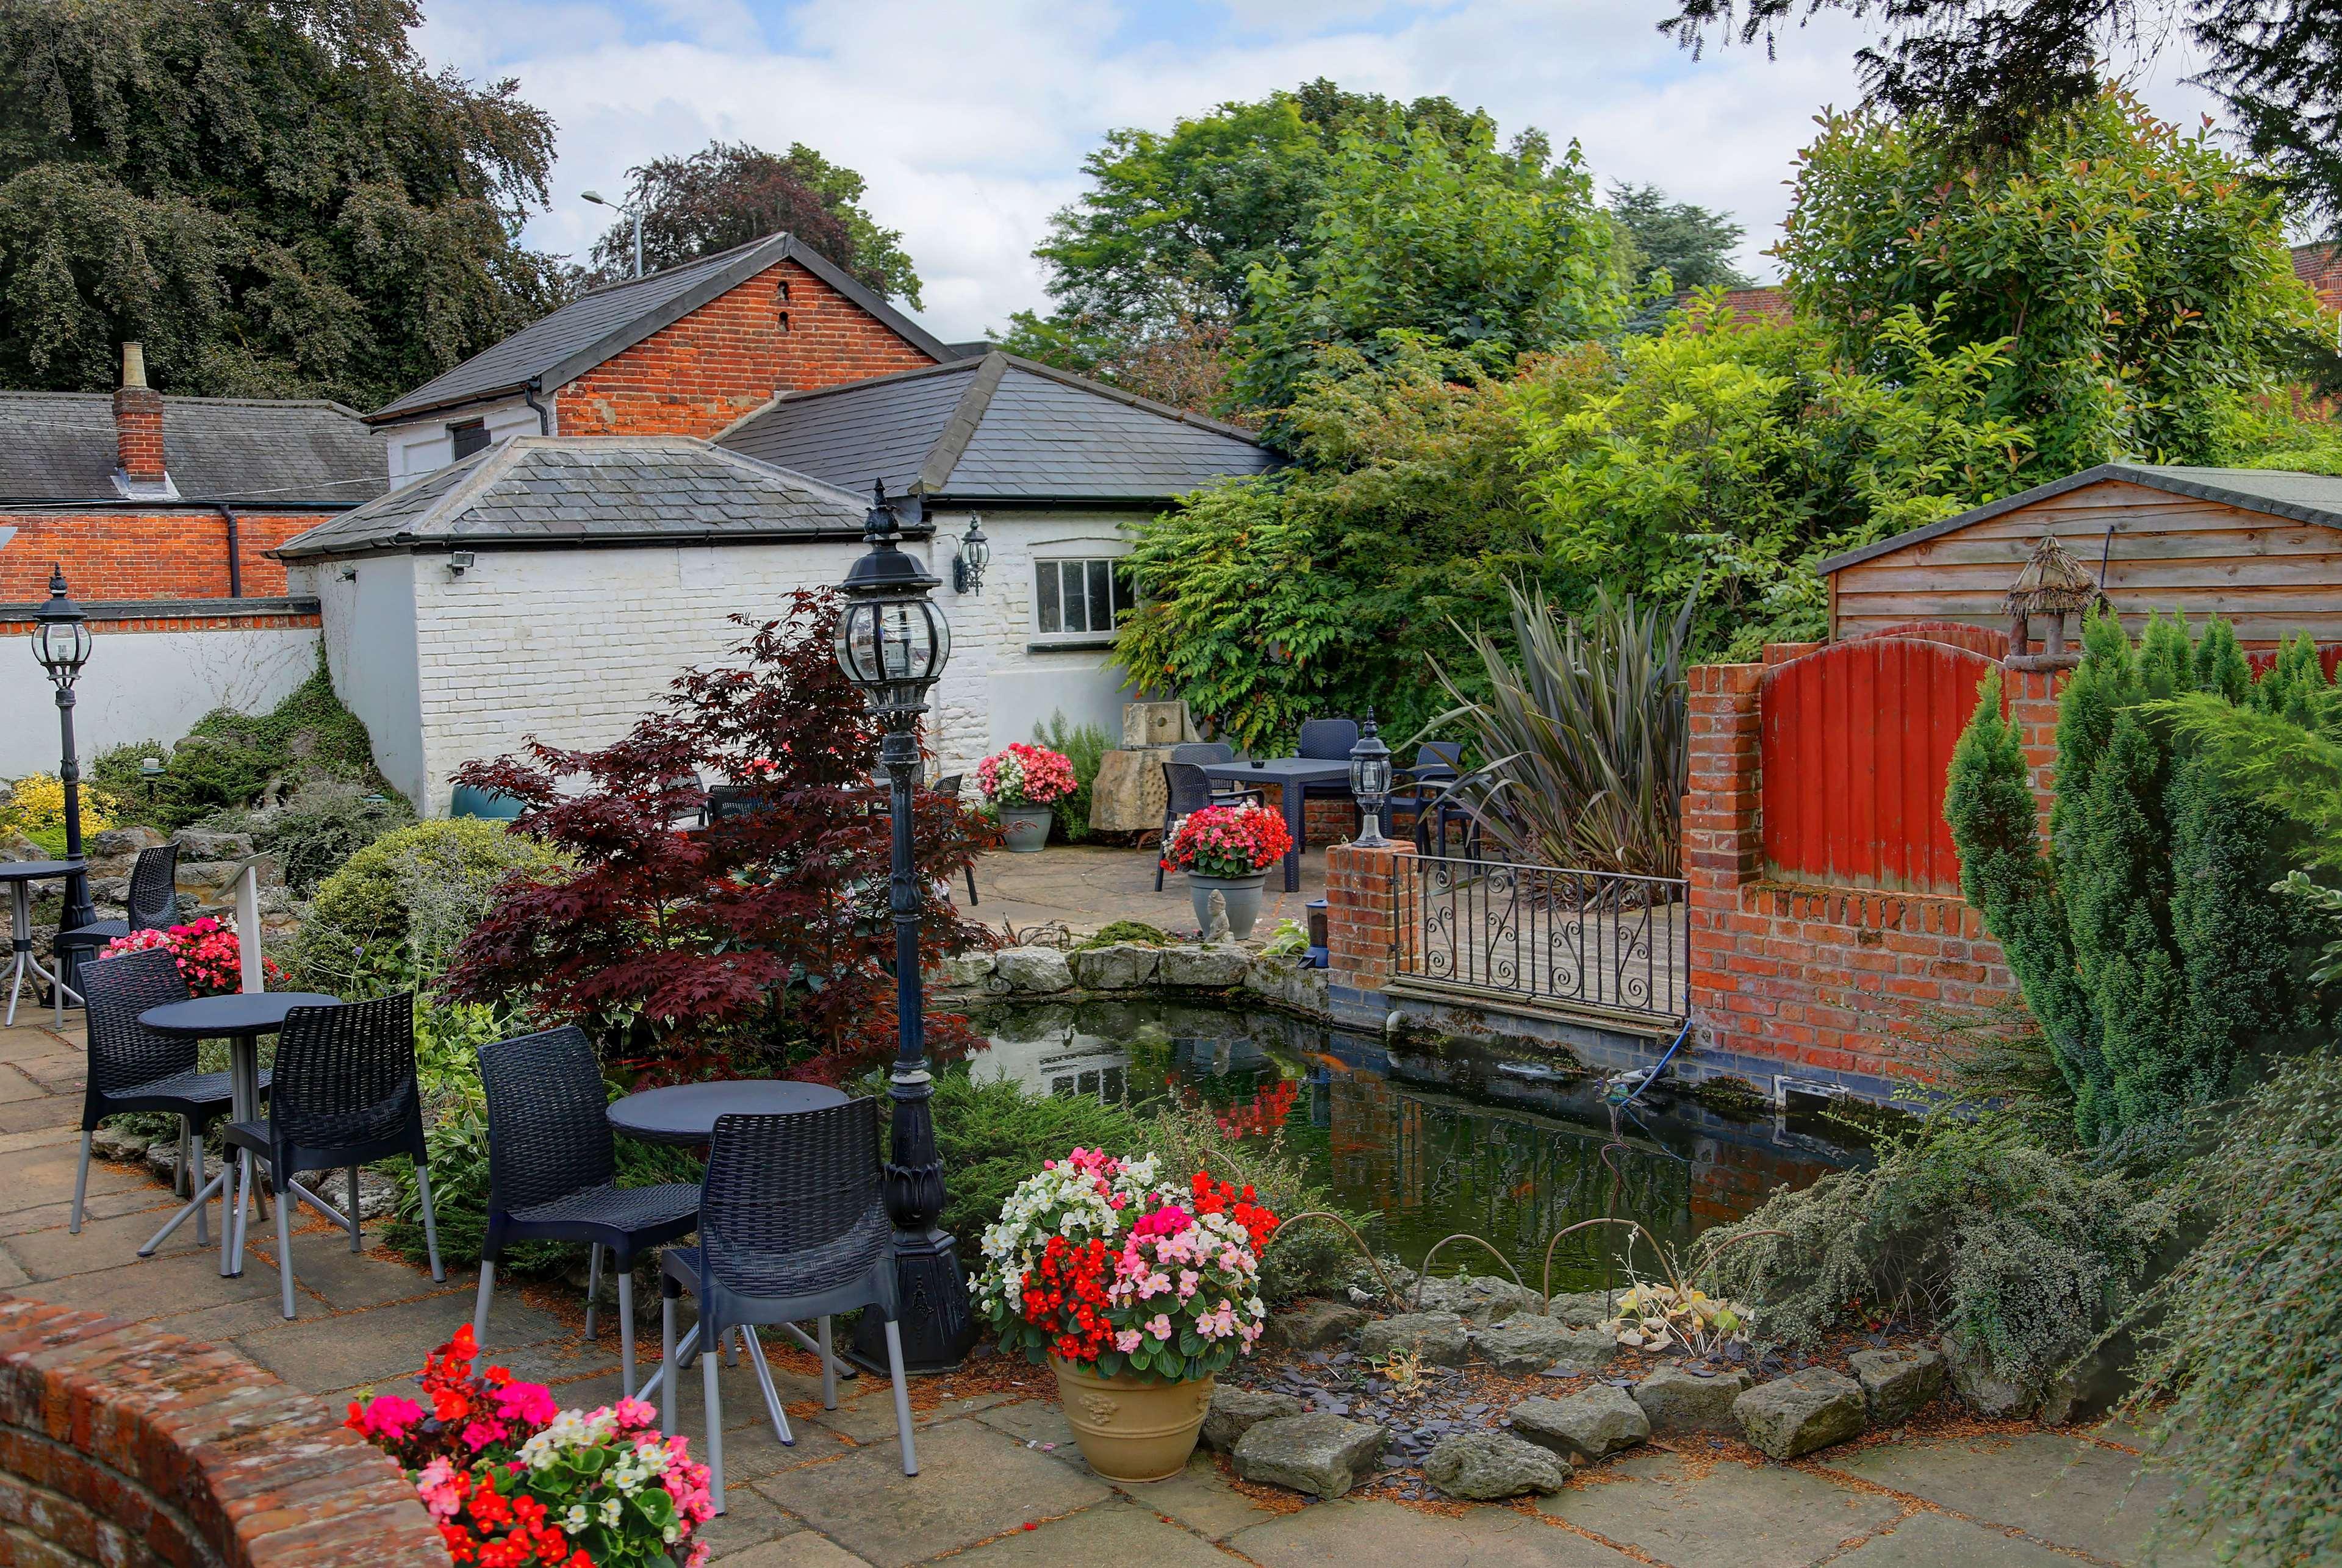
(2242, 1365)
(315, 831)
(393, 914)
(1085, 746)
(1115, 931)
(1967, 1225)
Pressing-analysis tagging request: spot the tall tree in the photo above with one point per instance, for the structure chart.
(1691, 244)
(2141, 274)
(277, 198)
(729, 194)
(1993, 72)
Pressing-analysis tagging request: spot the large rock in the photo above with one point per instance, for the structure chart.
(1236, 1411)
(1481, 1298)
(1218, 966)
(1036, 970)
(1990, 1396)
(1128, 793)
(1897, 1383)
(965, 971)
(1801, 1412)
(14, 845)
(113, 852)
(120, 1144)
(1584, 1309)
(1440, 1338)
(1313, 1324)
(1484, 1466)
(1317, 1452)
(1117, 966)
(1583, 1350)
(1592, 1423)
(1529, 1342)
(1675, 1400)
(202, 843)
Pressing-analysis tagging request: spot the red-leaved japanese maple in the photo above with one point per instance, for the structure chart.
(761, 940)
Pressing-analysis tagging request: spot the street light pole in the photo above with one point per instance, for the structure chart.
(61, 643)
(893, 643)
(633, 210)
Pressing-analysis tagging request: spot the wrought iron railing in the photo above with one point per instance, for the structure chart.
(1593, 939)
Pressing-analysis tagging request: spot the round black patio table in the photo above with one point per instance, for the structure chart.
(687, 1113)
(240, 1018)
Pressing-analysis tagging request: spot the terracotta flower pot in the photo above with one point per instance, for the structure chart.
(1131, 1430)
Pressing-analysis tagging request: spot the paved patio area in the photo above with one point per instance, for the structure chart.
(1087, 886)
(1001, 1481)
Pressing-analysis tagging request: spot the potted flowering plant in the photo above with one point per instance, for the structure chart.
(1018, 783)
(1138, 1296)
(209, 956)
(1227, 850)
(513, 1481)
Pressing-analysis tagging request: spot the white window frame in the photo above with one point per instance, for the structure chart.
(1117, 587)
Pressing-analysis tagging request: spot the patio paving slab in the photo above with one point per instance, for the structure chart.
(1354, 1531)
(1090, 886)
(1720, 1515)
(798, 1549)
(1940, 1541)
(2061, 1489)
(974, 1482)
(54, 1252)
(326, 1354)
(1113, 1532)
(1199, 1498)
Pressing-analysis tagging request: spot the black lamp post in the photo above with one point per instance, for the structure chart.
(61, 642)
(1370, 782)
(893, 643)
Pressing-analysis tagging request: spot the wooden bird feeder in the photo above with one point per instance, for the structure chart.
(2054, 584)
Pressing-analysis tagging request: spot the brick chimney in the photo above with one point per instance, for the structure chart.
(138, 427)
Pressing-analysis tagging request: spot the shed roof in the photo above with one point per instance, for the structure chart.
(997, 428)
(591, 490)
(2280, 492)
(608, 320)
(261, 452)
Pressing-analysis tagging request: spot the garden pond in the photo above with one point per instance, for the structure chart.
(1430, 1141)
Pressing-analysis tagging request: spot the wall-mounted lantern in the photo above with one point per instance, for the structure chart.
(975, 555)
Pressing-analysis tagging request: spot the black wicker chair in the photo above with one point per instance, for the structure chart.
(791, 1227)
(344, 1095)
(553, 1168)
(132, 1068)
(1187, 789)
(1327, 740)
(152, 905)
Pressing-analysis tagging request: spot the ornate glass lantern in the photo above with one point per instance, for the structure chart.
(892, 641)
(60, 634)
(1370, 781)
(975, 555)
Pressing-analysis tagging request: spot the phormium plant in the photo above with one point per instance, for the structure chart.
(765, 936)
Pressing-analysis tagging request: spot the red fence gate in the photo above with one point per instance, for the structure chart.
(1856, 741)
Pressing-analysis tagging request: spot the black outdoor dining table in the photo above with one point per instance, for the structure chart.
(1289, 774)
(240, 1018)
(687, 1113)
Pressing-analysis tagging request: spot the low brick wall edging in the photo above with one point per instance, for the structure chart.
(121, 1442)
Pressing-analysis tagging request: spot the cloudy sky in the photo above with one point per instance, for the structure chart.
(970, 117)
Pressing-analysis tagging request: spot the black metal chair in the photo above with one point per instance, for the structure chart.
(1327, 740)
(152, 905)
(344, 1095)
(1202, 751)
(1186, 789)
(948, 786)
(791, 1227)
(134, 1068)
(553, 1171)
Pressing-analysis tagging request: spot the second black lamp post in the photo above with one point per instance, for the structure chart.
(893, 643)
(61, 643)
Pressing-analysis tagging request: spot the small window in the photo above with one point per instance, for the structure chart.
(1079, 598)
(470, 436)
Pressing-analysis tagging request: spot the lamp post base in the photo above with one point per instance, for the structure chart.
(936, 1327)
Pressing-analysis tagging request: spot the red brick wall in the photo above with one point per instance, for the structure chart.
(730, 355)
(1324, 819)
(1835, 979)
(1361, 900)
(138, 431)
(162, 554)
(120, 1444)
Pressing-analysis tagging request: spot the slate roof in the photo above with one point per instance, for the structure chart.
(61, 446)
(2280, 492)
(997, 428)
(590, 489)
(608, 320)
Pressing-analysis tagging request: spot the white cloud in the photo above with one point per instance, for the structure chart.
(970, 121)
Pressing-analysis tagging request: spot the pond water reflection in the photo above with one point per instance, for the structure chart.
(1511, 1158)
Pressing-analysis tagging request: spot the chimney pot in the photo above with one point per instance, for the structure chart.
(138, 422)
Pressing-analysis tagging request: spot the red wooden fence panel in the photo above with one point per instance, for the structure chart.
(1855, 741)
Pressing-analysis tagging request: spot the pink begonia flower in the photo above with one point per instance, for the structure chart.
(1126, 1341)
(1188, 1279)
(531, 1404)
(390, 1415)
(1161, 1327)
(478, 1434)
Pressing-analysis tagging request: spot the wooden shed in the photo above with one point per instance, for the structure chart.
(2262, 548)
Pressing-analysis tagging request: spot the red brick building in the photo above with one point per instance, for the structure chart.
(683, 352)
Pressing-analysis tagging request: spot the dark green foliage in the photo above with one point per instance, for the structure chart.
(2241, 1384)
(1966, 1225)
(2152, 945)
(389, 917)
(992, 1135)
(277, 200)
(318, 828)
(2221, 667)
(729, 194)
(229, 758)
(1678, 244)
(1085, 746)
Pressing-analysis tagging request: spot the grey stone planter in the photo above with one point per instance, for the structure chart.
(1241, 894)
(1026, 827)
